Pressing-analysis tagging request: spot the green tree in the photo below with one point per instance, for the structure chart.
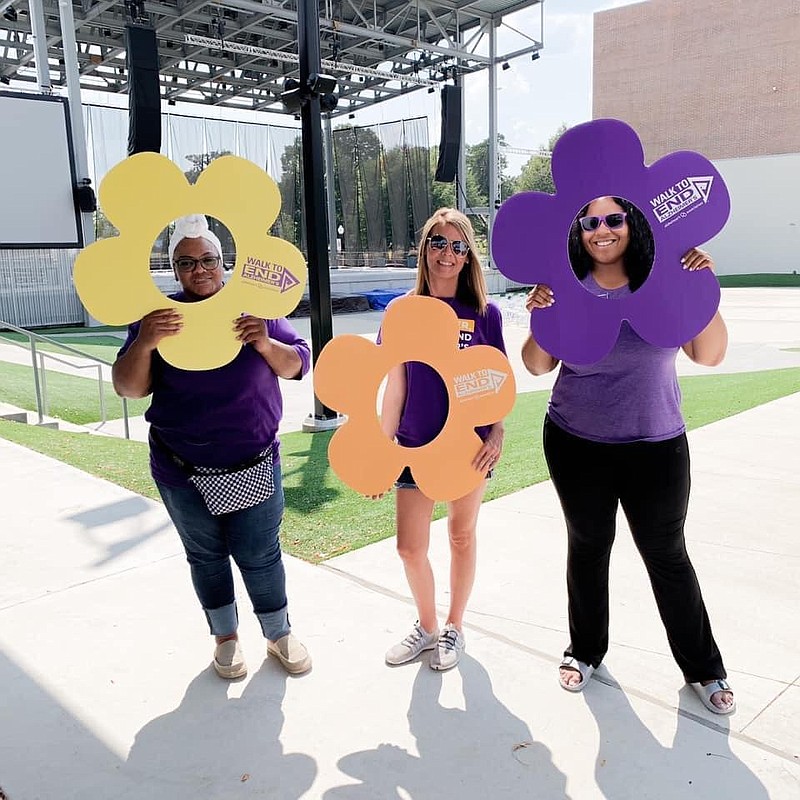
(536, 175)
(443, 195)
(477, 157)
(199, 162)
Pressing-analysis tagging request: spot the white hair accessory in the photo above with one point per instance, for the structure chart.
(193, 226)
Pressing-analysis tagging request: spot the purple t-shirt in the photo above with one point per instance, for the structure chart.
(631, 395)
(218, 417)
(427, 403)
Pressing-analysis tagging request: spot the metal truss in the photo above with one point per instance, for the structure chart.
(238, 53)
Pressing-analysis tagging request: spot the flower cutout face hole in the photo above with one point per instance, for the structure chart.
(423, 419)
(198, 261)
(611, 246)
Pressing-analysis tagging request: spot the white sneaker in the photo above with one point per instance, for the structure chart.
(448, 649)
(416, 641)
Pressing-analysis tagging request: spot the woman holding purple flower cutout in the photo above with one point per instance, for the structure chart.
(614, 435)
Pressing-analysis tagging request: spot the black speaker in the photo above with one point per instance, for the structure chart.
(450, 142)
(144, 97)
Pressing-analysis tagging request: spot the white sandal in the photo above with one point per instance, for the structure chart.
(584, 670)
(705, 693)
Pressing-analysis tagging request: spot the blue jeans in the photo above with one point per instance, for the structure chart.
(251, 538)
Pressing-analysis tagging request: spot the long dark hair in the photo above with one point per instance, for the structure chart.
(638, 257)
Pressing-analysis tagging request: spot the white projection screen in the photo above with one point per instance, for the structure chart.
(37, 206)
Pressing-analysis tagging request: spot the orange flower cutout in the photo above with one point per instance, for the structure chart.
(348, 374)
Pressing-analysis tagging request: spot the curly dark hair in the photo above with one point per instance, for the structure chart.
(638, 257)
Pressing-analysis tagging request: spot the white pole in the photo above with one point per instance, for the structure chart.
(39, 31)
(71, 70)
(493, 189)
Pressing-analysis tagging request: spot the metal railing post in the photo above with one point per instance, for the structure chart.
(45, 404)
(36, 382)
(125, 418)
(102, 394)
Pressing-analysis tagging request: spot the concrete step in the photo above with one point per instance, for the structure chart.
(16, 416)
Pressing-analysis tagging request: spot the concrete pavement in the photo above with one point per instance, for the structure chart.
(107, 691)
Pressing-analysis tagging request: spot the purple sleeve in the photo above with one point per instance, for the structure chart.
(282, 331)
(494, 328)
(133, 332)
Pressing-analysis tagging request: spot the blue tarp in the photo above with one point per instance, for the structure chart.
(380, 298)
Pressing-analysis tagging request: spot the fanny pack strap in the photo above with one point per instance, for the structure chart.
(190, 469)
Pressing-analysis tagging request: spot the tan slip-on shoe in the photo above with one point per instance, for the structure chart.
(292, 654)
(229, 660)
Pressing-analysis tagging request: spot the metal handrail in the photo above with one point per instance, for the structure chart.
(40, 381)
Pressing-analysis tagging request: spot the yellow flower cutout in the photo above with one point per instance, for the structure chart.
(141, 196)
(480, 387)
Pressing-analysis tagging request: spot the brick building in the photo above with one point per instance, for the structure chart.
(718, 76)
(721, 77)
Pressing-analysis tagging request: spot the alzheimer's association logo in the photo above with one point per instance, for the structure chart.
(681, 199)
(269, 274)
(478, 383)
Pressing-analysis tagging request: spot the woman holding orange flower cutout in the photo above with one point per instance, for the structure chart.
(414, 410)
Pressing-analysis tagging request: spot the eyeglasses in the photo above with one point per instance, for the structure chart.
(612, 221)
(187, 263)
(439, 242)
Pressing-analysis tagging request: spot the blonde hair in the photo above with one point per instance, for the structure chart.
(471, 288)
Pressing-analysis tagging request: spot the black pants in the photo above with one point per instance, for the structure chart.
(651, 482)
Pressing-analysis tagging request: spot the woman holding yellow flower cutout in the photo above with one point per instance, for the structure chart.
(214, 451)
(415, 407)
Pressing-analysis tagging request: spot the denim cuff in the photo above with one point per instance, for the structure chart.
(275, 624)
(222, 621)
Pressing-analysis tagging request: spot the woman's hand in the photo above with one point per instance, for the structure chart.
(695, 259)
(252, 331)
(157, 325)
(490, 451)
(540, 296)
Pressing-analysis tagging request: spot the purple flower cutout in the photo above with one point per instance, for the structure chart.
(683, 198)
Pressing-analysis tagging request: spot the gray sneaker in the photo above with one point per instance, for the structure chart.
(448, 649)
(416, 641)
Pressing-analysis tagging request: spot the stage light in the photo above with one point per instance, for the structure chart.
(534, 56)
(506, 65)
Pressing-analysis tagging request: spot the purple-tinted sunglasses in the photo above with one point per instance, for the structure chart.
(613, 221)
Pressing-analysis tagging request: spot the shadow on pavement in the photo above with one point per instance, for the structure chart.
(213, 746)
(632, 764)
(480, 752)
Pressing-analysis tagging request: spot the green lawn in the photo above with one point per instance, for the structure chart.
(104, 347)
(759, 279)
(324, 518)
(70, 398)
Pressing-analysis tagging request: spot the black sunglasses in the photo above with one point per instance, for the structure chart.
(439, 242)
(612, 221)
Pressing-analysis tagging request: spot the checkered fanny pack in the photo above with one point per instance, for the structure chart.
(227, 489)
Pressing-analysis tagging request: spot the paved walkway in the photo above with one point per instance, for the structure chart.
(108, 693)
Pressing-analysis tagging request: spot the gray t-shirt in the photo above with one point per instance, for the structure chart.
(631, 395)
